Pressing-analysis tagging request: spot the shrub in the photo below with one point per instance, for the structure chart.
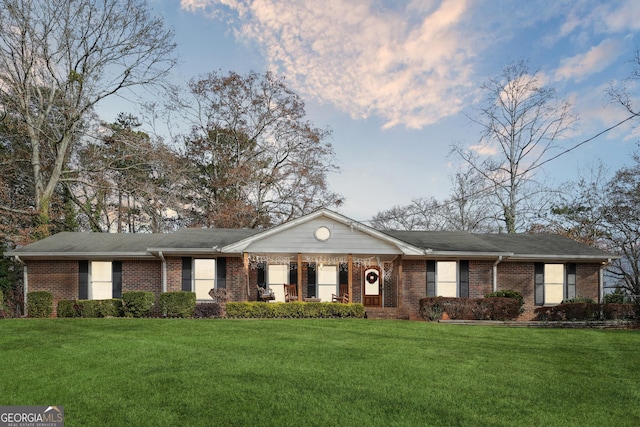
(579, 299)
(585, 312)
(39, 304)
(615, 298)
(177, 304)
(293, 310)
(494, 308)
(208, 310)
(137, 303)
(507, 293)
(90, 308)
(4, 310)
(68, 308)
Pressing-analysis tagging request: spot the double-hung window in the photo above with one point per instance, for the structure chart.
(448, 279)
(200, 275)
(554, 283)
(99, 280)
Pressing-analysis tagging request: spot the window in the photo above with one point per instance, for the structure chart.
(448, 279)
(101, 286)
(204, 277)
(554, 283)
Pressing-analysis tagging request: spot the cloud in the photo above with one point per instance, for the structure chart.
(581, 66)
(409, 65)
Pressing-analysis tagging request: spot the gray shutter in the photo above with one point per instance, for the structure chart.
(463, 292)
(539, 283)
(311, 280)
(431, 278)
(293, 273)
(116, 279)
(261, 275)
(186, 274)
(221, 273)
(83, 279)
(570, 281)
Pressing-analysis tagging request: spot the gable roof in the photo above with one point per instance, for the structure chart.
(194, 241)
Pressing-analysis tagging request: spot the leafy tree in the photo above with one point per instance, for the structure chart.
(58, 59)
(521, 122)
(256, 160)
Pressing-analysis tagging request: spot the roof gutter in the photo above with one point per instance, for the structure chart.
(495, 273)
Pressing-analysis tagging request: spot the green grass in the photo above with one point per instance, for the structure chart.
(184, 372)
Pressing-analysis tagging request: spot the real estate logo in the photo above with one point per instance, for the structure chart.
(31, 416)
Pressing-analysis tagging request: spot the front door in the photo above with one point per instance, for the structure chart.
(372, 288)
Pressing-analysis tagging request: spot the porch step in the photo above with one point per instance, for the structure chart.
(385, 313)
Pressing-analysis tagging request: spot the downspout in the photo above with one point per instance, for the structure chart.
(495, 273)
(601, 281)
(164, 272)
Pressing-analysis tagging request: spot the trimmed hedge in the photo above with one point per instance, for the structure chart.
(507, 293)
(39, 304)
(494, 308)
(582, 311)
(293, 310)
(208, 310)
(137, 303)
(177, 304)
(90, 308)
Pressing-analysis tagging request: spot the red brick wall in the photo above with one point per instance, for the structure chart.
(518, 276)
(588, 281)
(139, 275)
(480, 278)
(58, 277)
(414, 286)
(174, 274)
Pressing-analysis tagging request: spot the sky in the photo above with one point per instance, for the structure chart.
(397, 81)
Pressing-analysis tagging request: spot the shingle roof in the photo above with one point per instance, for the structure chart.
(200, 240)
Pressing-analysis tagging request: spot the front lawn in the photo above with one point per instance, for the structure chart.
(192, 372)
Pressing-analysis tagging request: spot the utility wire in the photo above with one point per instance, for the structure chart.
(568, 150)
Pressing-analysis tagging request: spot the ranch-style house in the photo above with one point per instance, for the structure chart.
(325, 256)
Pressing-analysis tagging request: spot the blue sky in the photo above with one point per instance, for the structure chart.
(395, 80)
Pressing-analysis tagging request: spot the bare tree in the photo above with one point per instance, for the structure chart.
(622, 215)
(256, 160)
(521, 122)
(127, 181)
(59, 58)
(465, 210)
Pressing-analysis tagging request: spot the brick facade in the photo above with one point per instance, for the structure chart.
(139, 275)
(58, 277)
(405, 289)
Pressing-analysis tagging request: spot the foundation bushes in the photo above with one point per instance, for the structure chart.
(39, 304)
(494, 308)
(177, 304)
(90, 308)
(585, 312)
(208, 310)
(137, 303)
(293, 310)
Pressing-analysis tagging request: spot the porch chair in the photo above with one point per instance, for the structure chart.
(265, 294)
(290, 292)
(343, 295)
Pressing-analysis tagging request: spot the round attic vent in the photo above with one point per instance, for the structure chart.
(322, 233)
